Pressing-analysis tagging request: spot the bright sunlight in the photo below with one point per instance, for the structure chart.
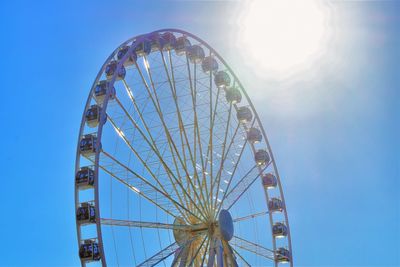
(282, 35)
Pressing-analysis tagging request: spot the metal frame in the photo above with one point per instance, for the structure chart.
(212, 205)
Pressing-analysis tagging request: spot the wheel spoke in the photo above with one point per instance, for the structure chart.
(197, 252)
(251, 216)
(145, 164)
(151, 143)
(141, 224)
(196, 131)
(160, 256)
(241, 257)
(182, 130)
(147, 189)
(241, 187)
(229, 258)
(171, 143)
(205, 252)
(252, 247)
(224, 155)
(234, 170)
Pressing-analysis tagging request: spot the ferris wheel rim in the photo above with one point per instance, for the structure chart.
(138, 38)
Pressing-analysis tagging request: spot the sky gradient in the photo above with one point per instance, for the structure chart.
(333, 127)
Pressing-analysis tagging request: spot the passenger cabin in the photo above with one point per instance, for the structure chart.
(89, 251)
(92, 116)
(86, 214)
(100, 91)
(279, 230)
(269, 180)
(182, 44)
(156, 42)
(87, 145)
(195, 54)
(131, 58)
(209, 64)
(261, 157)
(244, 114)
(254, 135)
(275, 204)
(111, 68)
(143, 48)
(282, 255)
(84, 178)
(169, 40)
(233, 95)
(222, 79)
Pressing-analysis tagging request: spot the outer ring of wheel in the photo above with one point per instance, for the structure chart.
(103, 115)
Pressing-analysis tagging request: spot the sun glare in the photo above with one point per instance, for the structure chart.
(281, 35)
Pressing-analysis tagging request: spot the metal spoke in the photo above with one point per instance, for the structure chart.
(149, 188)
(170, 139)
(141, 224)
(241, 187)
(145, 164)
(205, 252)
(160, 256)
(251, 216)
(153, 143)
(182, 130)
(197, 251)
(145, 189)
(252, 247)
(229, 258)
(196, 130)
(224, 156)
(234, 171)
(241, 257)
(153, 147)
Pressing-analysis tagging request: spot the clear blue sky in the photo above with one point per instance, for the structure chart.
(335, 134)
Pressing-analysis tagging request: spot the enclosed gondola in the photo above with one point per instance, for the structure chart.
(282, 255)
(209, 64)
(244, 114)
(84, 178)
(112, 68)
(89, 250)
(86, 213)
(279, 230)
(233, 95)
(195, 54)
(275, 205)
(269, 181)
(222, 79)
(169, 40)
(254, 135)
(100, 91)
(143, 48)
(181, 45)
(87, 145)
(131, 58)
(93, 116)
(261, 157)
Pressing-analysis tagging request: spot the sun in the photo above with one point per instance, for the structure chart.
(282, 35)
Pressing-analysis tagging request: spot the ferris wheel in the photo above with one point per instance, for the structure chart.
(173, 166)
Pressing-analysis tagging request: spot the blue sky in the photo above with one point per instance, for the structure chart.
(334, 128)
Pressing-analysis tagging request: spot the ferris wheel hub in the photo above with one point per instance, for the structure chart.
(225, 223)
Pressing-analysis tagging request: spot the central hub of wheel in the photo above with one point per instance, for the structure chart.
(222, 228)
(225, 225)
